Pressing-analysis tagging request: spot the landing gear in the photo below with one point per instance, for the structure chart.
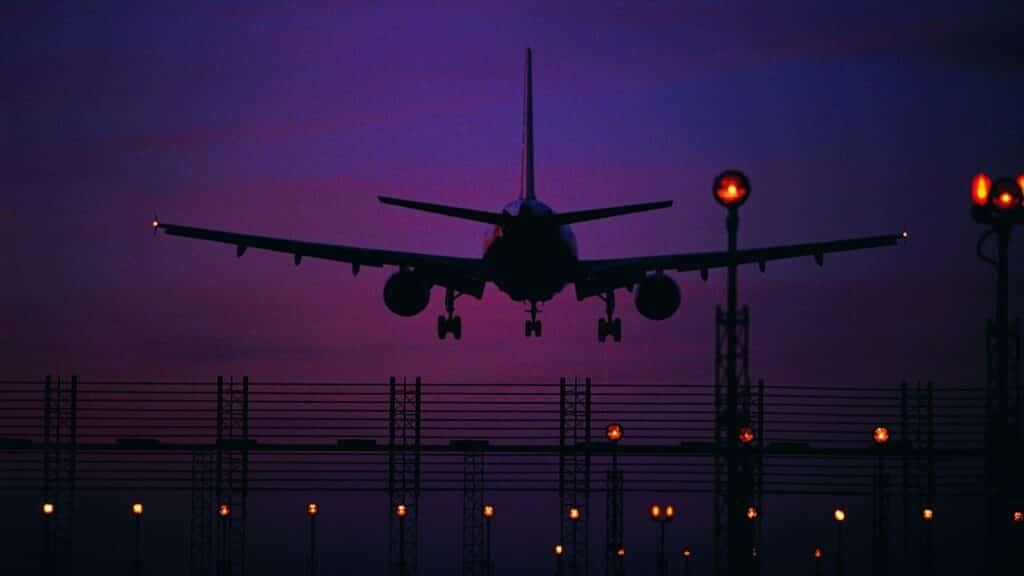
(451, 323)
(533, 325)
(609, 325)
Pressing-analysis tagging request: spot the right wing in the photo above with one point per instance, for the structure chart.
(466, 275)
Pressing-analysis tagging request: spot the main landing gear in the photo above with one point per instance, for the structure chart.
(533, 325)
(451, 323)
(610, 325)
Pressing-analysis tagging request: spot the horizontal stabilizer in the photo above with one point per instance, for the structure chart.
(599, 213)
(453, 211)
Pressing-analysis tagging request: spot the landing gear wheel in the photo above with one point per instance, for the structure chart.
(609, 325)
(602, 329)
(442, 327)
(455, 325)
(533, 325)
(616, 329)
(450, 323)
(536, 328)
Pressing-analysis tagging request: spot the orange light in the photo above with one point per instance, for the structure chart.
(224, 511)
(137, 509)
(687, 553)
(1020, 183)
(620, 552)
(881, 435)
(401, 510)
(655, 511)
(574, 513)
(488, 511)
(928, 514)
(48, 509)
(817, 553)
(613, 432)
(839, 514)
(670, 512)
(746, 435)
(731, 188)
(312, 509)
(751, 512)
(1004, 201)
(980, 187)
(1018, 517)
(559, 550)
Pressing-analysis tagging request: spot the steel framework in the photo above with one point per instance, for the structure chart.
(404, 448)
(60, 457)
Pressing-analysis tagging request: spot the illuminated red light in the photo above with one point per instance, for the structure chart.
(731, 188)
(881, 435)
(980, 187)
(613, 432)
(574, 513)
(224, 511)
(401, 510)
(687, 553)
(751, 512)
(746, 434)
(817, 553)
(312, 509)
(488, 511)
(1018, 517)
(620, 552)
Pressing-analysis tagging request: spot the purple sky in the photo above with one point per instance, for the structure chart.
(855, 119)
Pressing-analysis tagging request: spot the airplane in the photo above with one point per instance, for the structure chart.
(530, 254)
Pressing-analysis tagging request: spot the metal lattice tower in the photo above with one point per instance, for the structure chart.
(473, 558)
(201, 536)
(232, 487)
(404, 418)
(574, 472)
(60, 447)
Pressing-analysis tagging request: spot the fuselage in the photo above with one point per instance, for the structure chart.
(531, 257)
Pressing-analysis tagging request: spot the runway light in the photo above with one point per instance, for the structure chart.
(312, 509)
(980, 187)
(1018, 517)
(156, 223)
(928, 514)
(687, 553)
(559, 550)
(224, 511)
(655, 511)
(574, 513)
(746, 434)
(905, 234)
(1020, 184)
(620, 552)
(613, 432)
(137, 509)
(48, 509)
(751, 513)
(401, 510)
(1005, 194)
(488, 511)
(731, 188)
(839, 514)
(881, 435)
(817, 553)
(670, 512)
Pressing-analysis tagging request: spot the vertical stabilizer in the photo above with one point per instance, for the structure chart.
(526, 184)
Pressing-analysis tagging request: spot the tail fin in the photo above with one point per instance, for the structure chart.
(526, 190)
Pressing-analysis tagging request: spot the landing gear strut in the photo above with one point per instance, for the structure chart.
(609, 325)
(533, 325)
(450, 323)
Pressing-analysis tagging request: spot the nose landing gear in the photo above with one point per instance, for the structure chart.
(610, 325)
(533, 325)
(451, 323)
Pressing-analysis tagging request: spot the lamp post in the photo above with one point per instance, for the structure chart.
(401, 511)
(817, 556)
(49, 562)
(661, 517)
(574, 516)
(488, 516)
(880, 532)
(312, 509)
(614, 433)
(137, 513)
(224, 558)
(687, 554)
(928, 517)
(840, 517)
(559, 566)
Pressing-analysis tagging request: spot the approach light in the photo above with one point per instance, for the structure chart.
(687, 553)
(655, 511)
(746, 434)
(620, 552)
(613, 433)
(731, 188)
(224, 511)
(559, 550)
(881, 435)
(1018, 516)
(312, 509)
(980, 187)
(401, 510)
(817, 553)
(137, 509)
(751, 512)
(1005, 195)
(488, 511)
(574, 513)
(670, 512)
(839, 514)
(928, 514)
(48, 509)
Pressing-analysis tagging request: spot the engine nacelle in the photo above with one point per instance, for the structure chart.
(658, 297)
(406, 293)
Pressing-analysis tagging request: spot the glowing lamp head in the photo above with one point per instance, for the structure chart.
(401, 510)
(746, 434)
(1018, 517)
(312, 509)
(880, 435)
(751, 512)
(731, 188)
(613, 433)
(224, 510)
(928, 514)
(687, 553)
(839, 514)
(817, 553)
(559, 550)
(1005, 195)
(670, 512)
(620, 552)
(655, 511)
(574, 513)
(137, 509)
(48, 509)
(980, 187)
(488, 511)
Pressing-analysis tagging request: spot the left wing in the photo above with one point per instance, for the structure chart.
(466, 275)
(597, 276)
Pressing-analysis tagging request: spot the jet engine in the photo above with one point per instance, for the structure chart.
(657, 297)
(406, 293)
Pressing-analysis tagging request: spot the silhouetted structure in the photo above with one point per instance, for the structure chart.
(473, 557)
(404, 443)
(60, 459)
(574, 471)
(232, 487)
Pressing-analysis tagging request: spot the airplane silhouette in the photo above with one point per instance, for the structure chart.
(530, 254)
